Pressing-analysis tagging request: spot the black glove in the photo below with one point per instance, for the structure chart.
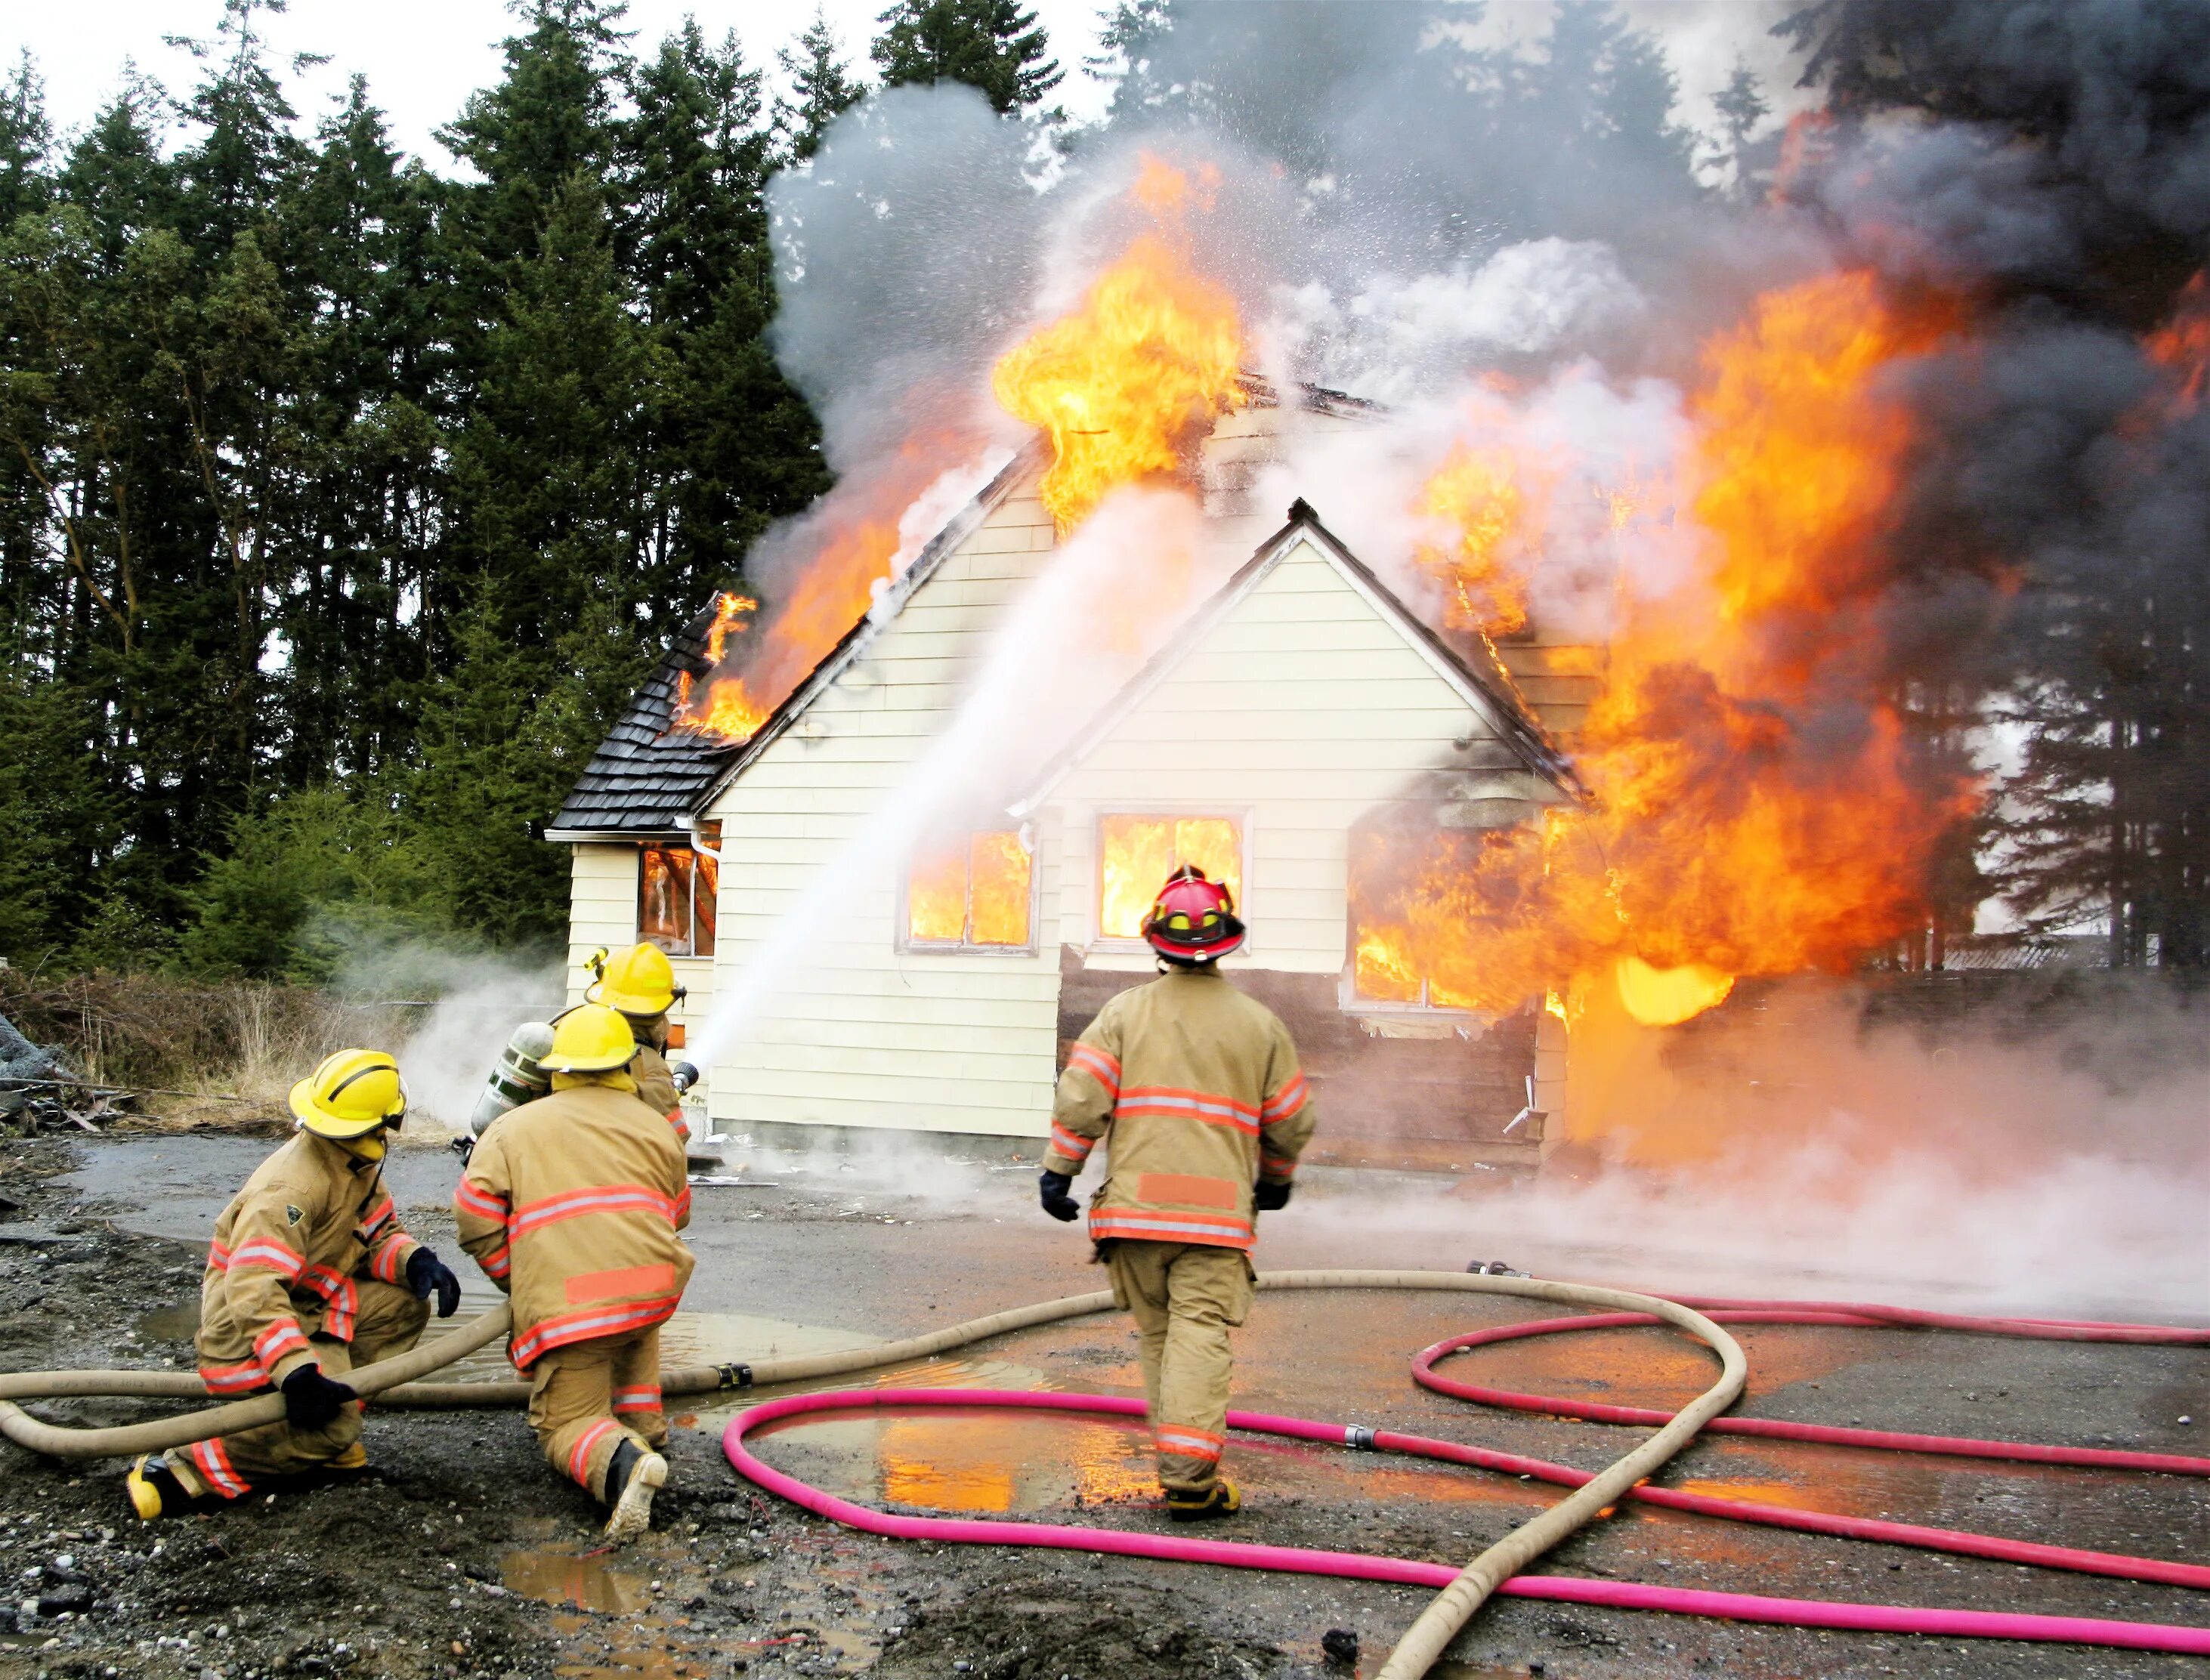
(312, 1400)
(1269, 1198)
(1052, 1190)
(426, 1273)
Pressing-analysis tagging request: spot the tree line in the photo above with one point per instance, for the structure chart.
(343, 502)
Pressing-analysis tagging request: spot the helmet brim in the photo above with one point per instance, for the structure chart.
(1165, 945)
(628, 1002)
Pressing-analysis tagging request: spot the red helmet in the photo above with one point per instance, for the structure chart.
(1193, 920)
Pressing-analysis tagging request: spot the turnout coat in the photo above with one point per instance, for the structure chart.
(571, 1204)
(1194, 1089)
(288, 1255)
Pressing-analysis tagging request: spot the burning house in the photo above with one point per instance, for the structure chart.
(1298, 731)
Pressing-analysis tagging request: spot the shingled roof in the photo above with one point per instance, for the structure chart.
(645, 781)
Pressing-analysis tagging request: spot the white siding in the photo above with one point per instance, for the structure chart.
(858, 1033)
(1305, 707)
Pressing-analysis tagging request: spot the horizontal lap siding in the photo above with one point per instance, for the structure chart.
(857, 1032)
(1313, 709)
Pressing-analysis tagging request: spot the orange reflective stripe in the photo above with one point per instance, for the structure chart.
(1164, 1102)
(1100, 1066)
(595, 1199)
(1188, 1187)
(1217, 1229)
(579, 1461)
(637, 1400)
(584, 1326)
(1182, 1442)
(268, 1251)
(1064, 1142)
(1286, 1101)
(622, 1280)
(214, 1463)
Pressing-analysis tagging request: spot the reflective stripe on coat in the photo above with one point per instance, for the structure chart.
(1194, 1087)
(571, 1204)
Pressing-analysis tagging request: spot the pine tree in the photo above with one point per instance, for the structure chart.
(990, 44)
(26, 138)
(823, 83)
(1742, 106)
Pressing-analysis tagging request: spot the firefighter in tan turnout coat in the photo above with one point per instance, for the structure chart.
(1194, 1089)
(640, 983)
(571, 1204)
(309, 1275)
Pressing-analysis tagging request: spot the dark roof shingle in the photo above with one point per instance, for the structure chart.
(644, 778)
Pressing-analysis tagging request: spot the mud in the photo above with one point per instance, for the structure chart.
(466, 1556)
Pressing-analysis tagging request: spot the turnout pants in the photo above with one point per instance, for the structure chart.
(390, 1322)
(587, 1398)
(1185, 1297)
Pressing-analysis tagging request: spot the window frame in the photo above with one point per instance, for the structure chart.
(906, 945)
(690, 952)
(1105, 944)
(1350, 1000)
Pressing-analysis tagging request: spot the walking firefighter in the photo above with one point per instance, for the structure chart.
(640, 984)
(571, 1204)
(309, 1275)
(1195, 1090)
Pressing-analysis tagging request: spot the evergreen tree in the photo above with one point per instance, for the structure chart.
(823, 83)
(990, 44)
(26, 138)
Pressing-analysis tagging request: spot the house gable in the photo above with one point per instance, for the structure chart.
(1303, 699)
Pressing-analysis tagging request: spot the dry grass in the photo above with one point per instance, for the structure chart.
(195, 1042)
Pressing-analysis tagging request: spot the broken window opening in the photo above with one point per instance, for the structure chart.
(1136, 853)
(971, 892)
(677, 888)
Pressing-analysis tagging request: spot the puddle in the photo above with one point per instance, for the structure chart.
(568, 1582)
(976, 1462)
(177, 1323)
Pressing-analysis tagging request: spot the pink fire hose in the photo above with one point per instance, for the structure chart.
(1626, 1595)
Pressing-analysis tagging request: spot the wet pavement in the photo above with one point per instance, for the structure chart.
(839, 1258)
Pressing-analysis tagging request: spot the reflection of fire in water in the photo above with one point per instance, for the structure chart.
(1137, 854)
(990, 1462)
(1743, 821)
(1129, 382)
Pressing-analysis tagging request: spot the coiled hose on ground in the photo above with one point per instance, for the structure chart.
(393, 1383)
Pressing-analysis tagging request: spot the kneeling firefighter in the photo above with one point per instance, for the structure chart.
(309, 1275)
(571, 1204)
(1195, 1088)
(640, 984)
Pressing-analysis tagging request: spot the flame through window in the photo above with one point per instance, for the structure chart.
(676, 890)
(970, 891)
(1137, 854)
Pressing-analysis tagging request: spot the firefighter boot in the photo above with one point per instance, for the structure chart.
(1221, 1498)
(155, 1491)
(632, 1478)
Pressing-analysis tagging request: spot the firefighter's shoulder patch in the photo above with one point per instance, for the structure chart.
(293, 1213)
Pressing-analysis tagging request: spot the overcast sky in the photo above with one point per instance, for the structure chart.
(423, 57)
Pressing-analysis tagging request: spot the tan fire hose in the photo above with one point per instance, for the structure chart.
(391, 1381)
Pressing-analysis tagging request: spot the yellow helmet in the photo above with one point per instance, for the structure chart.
(591, 1039)
(641, 981)
(352, 1093)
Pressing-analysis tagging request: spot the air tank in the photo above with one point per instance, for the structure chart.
(515, 1077)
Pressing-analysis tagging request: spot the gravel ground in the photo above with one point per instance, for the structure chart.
(468, 1556)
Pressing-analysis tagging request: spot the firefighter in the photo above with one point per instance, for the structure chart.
(571, 1204)
(309, 1275)
(640, 983)
(1195, 1086)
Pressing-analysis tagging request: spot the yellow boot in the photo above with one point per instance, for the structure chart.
(155, 1490)
(1222, 1499)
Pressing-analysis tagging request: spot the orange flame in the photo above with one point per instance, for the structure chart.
(1127, 384)
(1137, 854)
(1739, 824)
(2183, 345)
(727, 707)
(1480, 495)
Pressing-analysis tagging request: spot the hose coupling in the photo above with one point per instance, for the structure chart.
(736, 1376)
(1358, 1435)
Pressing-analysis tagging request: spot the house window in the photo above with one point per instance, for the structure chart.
(1407, 919)
(675, 894)
(1136, 854)
(970, 891)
